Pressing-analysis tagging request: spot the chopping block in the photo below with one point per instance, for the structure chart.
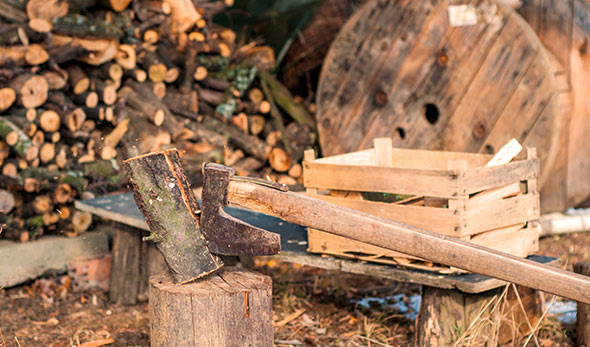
(232, 307)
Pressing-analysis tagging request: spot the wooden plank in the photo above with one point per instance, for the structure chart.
(352, 36)
(22, 262)
(468, 283)
(440, 220)
(488, 196)
(484, 178)
(119, 208)
(383, 151)
(323, 242)
(503, 212)
(555, 29)
(579, 129)
(484, 102)
(514, 239)
(409, 158)
(438, 183)
(366, 69)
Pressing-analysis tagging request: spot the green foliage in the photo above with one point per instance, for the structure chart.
(274, 21)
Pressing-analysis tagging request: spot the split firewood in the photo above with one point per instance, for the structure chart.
(279, 160)
(36, 55)
(7, 98)
(106, 92)
(241, 122)
(7, 201)
(55, 80)
(126, 57)
(78, 79)
(17, 139)
(81, 220)
(256, 124)
(296, 171)
(31, 90)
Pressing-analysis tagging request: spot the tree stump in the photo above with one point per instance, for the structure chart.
(563, 26)
(450, 317)
(405, 70)
(231, 307)
(583, 314)
(446, 314)
(133, 263)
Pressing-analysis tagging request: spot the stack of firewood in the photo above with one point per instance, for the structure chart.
(86, 84)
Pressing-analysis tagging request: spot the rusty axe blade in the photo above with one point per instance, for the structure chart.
(227, 235)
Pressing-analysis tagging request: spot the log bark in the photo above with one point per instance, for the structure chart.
(163, 195)
(230, 308)
(250, 144)
(17, 139)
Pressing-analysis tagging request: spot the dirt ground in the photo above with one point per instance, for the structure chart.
(312, 307)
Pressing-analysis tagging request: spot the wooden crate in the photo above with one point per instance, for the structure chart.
(449, 193)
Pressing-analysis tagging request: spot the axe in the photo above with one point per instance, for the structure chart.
(227, 235)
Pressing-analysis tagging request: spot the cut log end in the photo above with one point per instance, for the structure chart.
(279, 160)
(7, 98)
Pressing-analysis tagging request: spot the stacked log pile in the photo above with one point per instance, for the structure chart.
(85, 84)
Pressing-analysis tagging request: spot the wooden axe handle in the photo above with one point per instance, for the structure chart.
(317, 214)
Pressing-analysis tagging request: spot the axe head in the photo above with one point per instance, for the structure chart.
(228, 235)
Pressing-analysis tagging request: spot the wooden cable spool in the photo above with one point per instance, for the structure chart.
(563, 26)
(399, 69)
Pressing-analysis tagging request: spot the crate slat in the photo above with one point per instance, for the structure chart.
(438, 183)
(440, 220)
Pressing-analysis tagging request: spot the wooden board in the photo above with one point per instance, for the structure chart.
(294, 244)
(398, 69)
(563, 26)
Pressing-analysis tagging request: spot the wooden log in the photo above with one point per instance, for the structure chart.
(175, 100)
(212, 312)
(47, 152)
(101, 50)
(17, 139)
(182, 245)
(107, 92)
(55, 80)
(146, 107)
(250, 144)
(67, 52)
(446, 314)
(36, 54)
(81, 221)
(31, 90)
(143, 137)
(72, 117)
(583, 312)
(172, 124)
(279, 160)
(79, 80)
(284, 99)
(126, 57)
(7, 98)
(154, 65)
(83, 26)
(126, 263)
(13, 12)
(7, 201)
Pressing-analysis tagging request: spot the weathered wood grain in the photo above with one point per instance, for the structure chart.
(563, 26)
(230, 308)
(428, 85)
